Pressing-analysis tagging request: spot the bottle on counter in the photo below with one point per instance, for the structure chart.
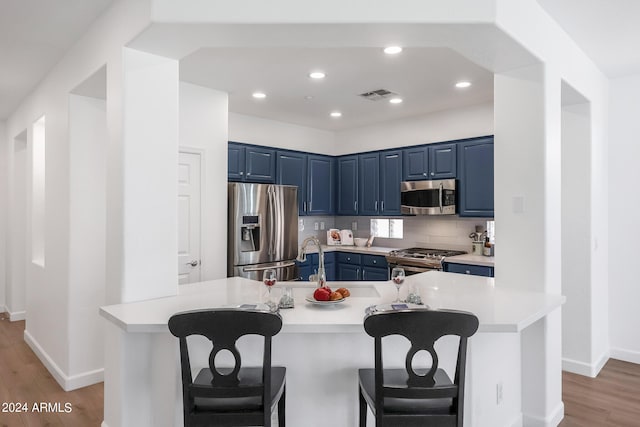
(488, 247)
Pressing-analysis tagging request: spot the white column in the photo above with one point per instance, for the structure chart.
(528, 213)
(142, 176)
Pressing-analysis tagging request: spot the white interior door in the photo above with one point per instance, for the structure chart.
(189, 199)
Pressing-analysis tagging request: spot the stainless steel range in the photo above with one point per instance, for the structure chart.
(419, 260)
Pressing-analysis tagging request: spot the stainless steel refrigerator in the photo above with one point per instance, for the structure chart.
(263, 230)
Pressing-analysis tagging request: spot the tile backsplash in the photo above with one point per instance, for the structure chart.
(445, 232)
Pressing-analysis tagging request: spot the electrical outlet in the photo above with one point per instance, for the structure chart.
(301, 225)
(499, 393)
(321, 225)
(315, 226)
(354, 225)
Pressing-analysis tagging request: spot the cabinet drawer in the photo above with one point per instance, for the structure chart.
(349, 258)
(374, 261)
(475, 270)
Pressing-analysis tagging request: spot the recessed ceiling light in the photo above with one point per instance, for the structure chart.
(463, 84)
(317, 75)
(336, 114)
(392, 50)
(308, 98)
(395, 100)
(259, 95)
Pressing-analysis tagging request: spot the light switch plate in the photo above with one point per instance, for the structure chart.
(301, 225)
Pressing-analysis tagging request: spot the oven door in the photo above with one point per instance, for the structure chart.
(410, 270)
(437, 197)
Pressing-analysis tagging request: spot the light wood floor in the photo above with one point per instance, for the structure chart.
(611, 399)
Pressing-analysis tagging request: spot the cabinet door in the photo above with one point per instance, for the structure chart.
(235, 157)
(292, 170)
(348, 272)
(442, 161)
(347, 197)
(475, 172)
(415, 163)
(375, 274)
(260, 165)
(390, 179)
(320, 185)
(368, 184)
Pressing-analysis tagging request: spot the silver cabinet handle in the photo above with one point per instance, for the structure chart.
(304, 206)
(424, 174)
(376, 206)
(357, 272)
(467, 272)
(382, 206)
(433, 173)
(193, 263)
(309, 205)
(363, 272)
(241, 173)
(248, 173)
(355, 206)
(375, 262)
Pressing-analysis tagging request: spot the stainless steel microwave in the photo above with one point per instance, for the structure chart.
(436, 197)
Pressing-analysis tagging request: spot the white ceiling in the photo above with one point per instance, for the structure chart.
(423, 77)
(34, 35)
(608, 31)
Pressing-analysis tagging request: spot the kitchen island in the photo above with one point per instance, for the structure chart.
(322, 348)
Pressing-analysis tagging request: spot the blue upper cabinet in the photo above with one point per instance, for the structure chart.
(390, 179)
(251, 164)
(415, 163)
(347, 186)
(433, 161)
(292, 170)
(442, 161)
(320, 185)
(369, 184)
(475, 173)
(236, 165)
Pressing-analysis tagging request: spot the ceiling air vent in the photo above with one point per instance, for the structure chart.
(377, 95)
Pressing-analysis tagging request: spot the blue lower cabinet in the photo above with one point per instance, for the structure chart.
(375, 274)
(474, 270)
(356, 267)
(349, 272)
(310, 266)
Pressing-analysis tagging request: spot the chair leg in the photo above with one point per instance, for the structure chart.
(281, 408)
(363, 409)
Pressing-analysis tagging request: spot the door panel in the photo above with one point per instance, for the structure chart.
(261, 165)
(348, 185)
(189, 195)
(292, 170)
(368, 184)
(390, 179)
(415, 163)
(235, 168)
(442, 161)
(320, 186)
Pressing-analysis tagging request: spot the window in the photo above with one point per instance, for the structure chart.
(388, 228)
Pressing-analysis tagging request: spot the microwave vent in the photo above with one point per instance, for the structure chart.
(378, 94)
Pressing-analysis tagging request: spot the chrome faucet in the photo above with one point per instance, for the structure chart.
(302, 257)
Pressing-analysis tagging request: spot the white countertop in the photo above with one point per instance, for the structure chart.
(373, 250)
(498, 309)
(471, 260)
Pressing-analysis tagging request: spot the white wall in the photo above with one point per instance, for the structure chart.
(259, 131)
(624, 151)
(447, 125)
(47, 299)
(4, 179)
(87, 232)
(203, 127)
(576, 221)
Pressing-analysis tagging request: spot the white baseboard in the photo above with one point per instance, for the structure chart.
(552, 420)
(103, 424)
(625, 355)
(581, 368)
(517, 421)
(67, 383)
(17, 315)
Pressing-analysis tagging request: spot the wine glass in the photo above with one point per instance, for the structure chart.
(269, 279)
(397, 276)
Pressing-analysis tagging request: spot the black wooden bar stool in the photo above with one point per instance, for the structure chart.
(238, 396)
(421, 397)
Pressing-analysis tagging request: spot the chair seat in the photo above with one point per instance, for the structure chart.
(247, 377)
(398, 378)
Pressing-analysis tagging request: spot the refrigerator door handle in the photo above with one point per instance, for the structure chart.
(287, 264)
(272, 219)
